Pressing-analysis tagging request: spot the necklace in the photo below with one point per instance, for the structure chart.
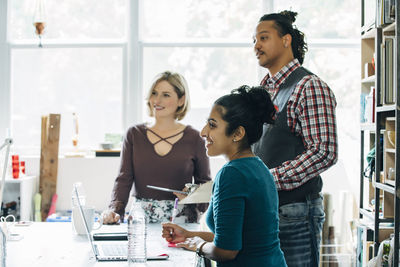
(242, 154)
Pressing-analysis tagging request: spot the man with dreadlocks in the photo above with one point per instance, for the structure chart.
(302, 143)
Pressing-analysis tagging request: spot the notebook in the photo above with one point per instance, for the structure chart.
(109, 250)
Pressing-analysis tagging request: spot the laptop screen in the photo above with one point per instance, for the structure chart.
(89, 236)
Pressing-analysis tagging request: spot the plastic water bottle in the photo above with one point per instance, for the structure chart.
(137, 236)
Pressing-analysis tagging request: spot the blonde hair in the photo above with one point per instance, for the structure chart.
(181, 89)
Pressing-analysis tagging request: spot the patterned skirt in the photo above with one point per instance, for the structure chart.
(158, 211)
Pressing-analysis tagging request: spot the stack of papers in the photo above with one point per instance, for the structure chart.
(201, 195)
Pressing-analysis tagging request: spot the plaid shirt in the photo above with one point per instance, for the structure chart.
(311, 115)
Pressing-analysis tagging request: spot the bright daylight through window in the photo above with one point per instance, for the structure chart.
(86, 64)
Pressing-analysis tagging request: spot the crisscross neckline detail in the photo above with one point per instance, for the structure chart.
(165, 139)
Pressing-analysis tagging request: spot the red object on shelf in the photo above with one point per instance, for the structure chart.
(15, 166)
(373, 63)
(22, 166)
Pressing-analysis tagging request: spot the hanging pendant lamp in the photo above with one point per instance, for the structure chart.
(39, 19)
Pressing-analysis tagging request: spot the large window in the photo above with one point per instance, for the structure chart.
(195, 19)
(210, 72)
(70, 20)
(99, 59)
(66, 80)
(210, 42)
(80, 69)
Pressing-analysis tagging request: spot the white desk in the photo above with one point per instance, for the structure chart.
(55, 244)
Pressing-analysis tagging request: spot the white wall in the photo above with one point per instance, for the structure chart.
(96, 173)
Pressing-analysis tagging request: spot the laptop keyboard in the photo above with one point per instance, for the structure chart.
(114, 249)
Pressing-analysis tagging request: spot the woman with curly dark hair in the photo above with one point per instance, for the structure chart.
(243, 212)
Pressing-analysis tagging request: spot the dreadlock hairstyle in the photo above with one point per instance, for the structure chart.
(284, 25)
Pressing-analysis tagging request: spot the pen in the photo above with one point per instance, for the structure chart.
(174, 213)
(175, 210)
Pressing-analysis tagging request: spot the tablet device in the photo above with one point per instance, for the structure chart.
(167, 189)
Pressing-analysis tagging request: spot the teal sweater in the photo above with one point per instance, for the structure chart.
(243, 214)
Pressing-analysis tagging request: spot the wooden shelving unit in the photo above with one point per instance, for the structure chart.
(380, 194)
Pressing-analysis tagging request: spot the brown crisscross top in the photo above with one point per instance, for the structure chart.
(141, 166)
(162, 150)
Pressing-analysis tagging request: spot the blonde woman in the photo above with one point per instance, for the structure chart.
(165, 153)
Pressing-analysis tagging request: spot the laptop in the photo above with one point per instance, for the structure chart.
(109, 250)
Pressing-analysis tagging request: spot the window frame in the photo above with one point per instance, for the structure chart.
(133, 47)
(7, 46)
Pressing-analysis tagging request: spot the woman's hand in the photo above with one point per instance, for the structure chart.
(110, 217)
(174, 233)
(191, 243)
(181, 196)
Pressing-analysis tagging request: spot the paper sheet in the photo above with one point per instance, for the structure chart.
(200, 195)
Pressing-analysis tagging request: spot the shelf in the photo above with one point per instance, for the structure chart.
(390, 150)
(385, 220)
(368, 214)
(385, 187)
(367, 127)
(386, 108)
(389, 28)
(390, 182)
(370, 34)
(377, 46)
(370, 79)
(21, 179)
(370, 225)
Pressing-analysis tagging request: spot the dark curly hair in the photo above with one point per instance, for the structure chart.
(284, 25)
(249, 107)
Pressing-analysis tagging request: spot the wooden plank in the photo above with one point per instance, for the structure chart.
(49, 160)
